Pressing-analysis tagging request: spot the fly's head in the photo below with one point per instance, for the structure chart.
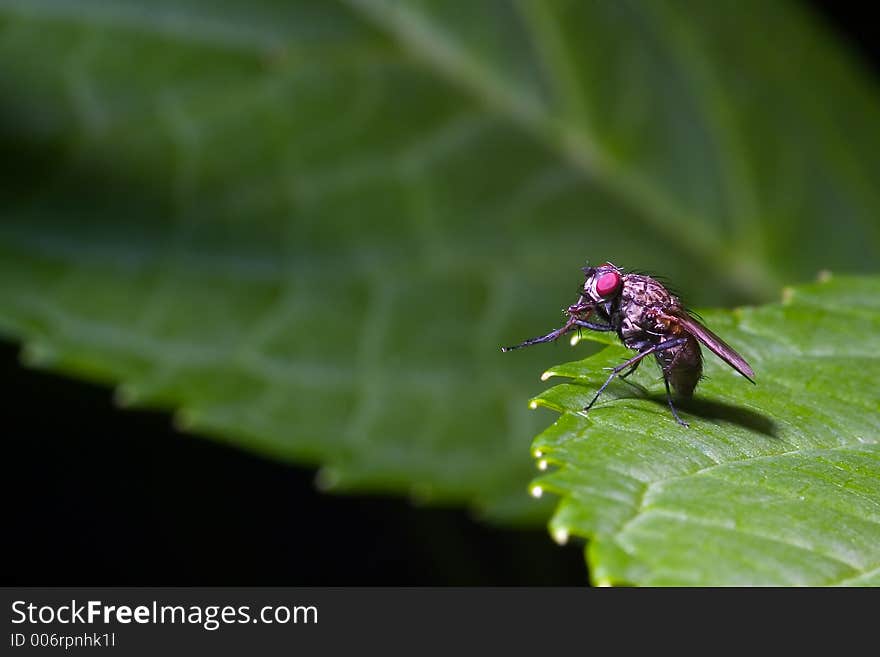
(602, 285)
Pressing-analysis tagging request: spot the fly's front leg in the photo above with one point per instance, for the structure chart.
(550, 337)
(634, 363)
(593, 326)
(574, 322)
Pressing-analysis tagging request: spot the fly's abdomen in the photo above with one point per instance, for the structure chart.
(683, 365)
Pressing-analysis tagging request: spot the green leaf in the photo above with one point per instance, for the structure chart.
(309, 226)
(773, 484)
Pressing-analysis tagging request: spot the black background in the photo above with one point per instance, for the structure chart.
(102, 496)
(105, 496)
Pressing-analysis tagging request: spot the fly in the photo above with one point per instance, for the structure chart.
(650, 320)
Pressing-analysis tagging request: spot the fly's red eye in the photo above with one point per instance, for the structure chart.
(607, 283)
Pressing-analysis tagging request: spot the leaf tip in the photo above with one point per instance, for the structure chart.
(542, 464)
(560, 535)
(546, 375)
(533, 404)
(536, 491)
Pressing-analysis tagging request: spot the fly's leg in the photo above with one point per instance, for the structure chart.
(572, 324)
(580, 323)
(633, 363)
(631, 369)
(593, 326)
(550, 337)
(669, 399)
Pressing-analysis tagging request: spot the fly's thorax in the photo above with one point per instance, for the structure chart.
(636, 327)
(639, 312)
(645, 291)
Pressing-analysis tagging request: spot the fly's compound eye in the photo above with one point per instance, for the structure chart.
(608, 283)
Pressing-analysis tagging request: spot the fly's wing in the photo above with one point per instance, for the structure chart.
(715, 344)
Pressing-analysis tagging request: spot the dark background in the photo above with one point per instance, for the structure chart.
(98, 495)
(102, 496)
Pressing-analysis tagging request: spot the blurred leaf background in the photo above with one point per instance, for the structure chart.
(307, 227)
